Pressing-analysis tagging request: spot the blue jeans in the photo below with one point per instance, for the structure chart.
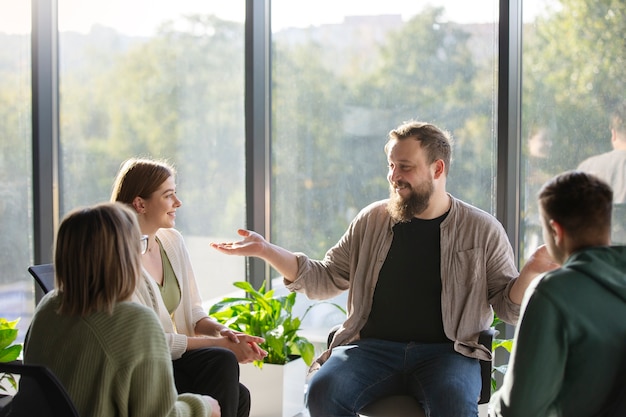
(444, 382)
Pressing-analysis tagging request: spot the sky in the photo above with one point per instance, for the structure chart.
(122, 15)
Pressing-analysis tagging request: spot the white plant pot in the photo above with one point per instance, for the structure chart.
(275, 390)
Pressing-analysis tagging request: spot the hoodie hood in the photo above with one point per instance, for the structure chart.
(604, 264)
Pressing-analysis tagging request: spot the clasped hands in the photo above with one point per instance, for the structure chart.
(245, 347)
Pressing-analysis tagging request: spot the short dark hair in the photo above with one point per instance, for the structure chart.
(436, 142)
(580, 202)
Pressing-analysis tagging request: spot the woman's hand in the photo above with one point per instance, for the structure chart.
(246, 349)
(216, 411)
(230, 334)
(211, 333)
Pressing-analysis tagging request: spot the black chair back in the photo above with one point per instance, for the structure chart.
(40, 393)
(44, 275)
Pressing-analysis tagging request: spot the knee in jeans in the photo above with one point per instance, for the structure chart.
(457, 390)
(321, 386)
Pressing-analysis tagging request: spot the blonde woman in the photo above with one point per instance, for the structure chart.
(205, 354)
(109, 353)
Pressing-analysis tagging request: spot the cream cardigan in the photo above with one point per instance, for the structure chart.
(183, 321)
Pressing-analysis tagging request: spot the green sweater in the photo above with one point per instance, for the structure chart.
(571, 342)
(111, 365)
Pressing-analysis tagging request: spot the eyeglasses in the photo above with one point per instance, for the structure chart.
(144, 244)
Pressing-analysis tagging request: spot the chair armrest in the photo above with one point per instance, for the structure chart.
(485, 338)
(331, 335)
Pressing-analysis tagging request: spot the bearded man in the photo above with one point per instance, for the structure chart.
(424, 272)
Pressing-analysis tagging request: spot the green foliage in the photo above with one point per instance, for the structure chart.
(178, 95)
(8, 350)
(262, 314)
(506, 344)
(307, 119)
(15, 170)
(333, 103)
(574, 71)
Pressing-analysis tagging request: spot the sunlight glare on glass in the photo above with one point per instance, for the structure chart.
(15, 17)
(140, 17)
(289, 13)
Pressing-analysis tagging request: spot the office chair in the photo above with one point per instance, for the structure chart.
(407, 406)
(44, 275)
(40, 393)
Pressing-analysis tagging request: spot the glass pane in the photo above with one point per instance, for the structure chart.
(165, 80)
(16, 239)
(573, 78)
(344, 74)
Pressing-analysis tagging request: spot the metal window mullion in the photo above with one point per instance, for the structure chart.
(509, 119)
(258, 117)
(45, 126)
(45, 129)
(509, 136)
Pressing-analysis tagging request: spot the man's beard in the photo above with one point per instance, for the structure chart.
(404, 209)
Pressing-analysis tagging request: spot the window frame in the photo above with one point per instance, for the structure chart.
(45, 141)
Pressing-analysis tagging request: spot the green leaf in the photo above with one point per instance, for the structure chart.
(5, 324)
(306, 348)
(11, 353)
(246, 286)
(309, 308)
(496, 321)
(8, 352)
(11, 379)
(228, 303)
(507, 344)
(7, 336)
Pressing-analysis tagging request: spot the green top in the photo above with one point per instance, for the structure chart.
(111, 365)
(170, 290)
(571, 341)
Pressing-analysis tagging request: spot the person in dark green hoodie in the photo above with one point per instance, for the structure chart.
(569, 355)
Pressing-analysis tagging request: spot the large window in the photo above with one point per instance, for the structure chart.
(344, 78)
(343, 75)
(573, 77)
(165, 80)
(16, 213)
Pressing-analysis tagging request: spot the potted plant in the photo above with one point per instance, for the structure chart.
(263, 314)
(276, 383)
(9, 351)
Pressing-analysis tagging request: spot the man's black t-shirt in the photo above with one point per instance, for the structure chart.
(407, 299)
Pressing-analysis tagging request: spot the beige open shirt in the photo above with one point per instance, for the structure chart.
(477, 271)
